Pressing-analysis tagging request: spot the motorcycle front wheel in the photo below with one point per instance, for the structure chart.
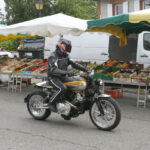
(111, 117)
(35, 105)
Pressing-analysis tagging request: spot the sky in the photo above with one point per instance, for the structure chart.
(2, 6)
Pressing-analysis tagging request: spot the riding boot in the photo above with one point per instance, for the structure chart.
(53, 107)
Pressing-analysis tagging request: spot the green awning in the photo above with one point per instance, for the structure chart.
(122, 25)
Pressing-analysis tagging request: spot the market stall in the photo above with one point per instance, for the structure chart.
(123, 73)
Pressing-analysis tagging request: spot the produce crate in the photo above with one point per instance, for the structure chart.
(148, 68)
(139, 80)
(103, 76)
(123, 77)
(99, 67)
(110, 69)
(111, 63)
(143, 76)
(113, 92)
(135, 66)
(25, 72)
(43, 69)
(12, 66)
(19, 69)
(107, 73)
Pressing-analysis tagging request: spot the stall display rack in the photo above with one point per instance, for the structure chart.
(18, 78)
(140, 101)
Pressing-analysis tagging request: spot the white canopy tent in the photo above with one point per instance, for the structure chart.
(47, 26)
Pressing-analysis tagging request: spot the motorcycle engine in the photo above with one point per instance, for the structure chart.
(63, 108)
(79, 97)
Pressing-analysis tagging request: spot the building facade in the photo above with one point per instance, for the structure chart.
(108, 8)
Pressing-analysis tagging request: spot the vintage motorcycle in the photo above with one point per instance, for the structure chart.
(83, 94)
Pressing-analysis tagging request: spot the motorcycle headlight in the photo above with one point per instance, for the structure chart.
(101, 82)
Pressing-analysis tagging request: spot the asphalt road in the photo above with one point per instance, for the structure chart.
(19, 131)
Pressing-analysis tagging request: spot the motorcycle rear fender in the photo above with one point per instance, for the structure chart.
(30, 94)
(43, 84)
(27, 97)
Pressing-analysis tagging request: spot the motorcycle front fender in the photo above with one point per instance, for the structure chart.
(103, 96)
(98, 98)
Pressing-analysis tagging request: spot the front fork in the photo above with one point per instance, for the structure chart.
(98, 98)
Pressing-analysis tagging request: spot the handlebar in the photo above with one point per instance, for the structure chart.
(84, 75)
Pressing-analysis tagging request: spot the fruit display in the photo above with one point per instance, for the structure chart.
(36, 67)
(43, 69)
(117, 71)
(110, 70)
(106, 70)
(23, 66)
(4, 61)
(122, 65)
(17, 70)
(110, 63)
(11, 65)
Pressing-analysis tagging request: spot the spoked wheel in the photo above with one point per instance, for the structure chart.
(111, 117)
(36, 105)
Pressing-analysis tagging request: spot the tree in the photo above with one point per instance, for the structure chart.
(10, 45)
(84, 9)
(23, 10)
(2, 19)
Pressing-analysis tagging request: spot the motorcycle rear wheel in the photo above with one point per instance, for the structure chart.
(111, 117)
(34, 100)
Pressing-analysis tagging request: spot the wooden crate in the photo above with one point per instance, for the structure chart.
(115, 93)
(123, 77)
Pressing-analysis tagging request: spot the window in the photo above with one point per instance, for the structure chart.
(119, 9)
(146, 41)
(117, 6)
(146, 4)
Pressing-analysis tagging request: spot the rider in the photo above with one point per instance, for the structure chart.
(58, 62)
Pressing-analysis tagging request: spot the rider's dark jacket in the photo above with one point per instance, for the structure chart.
(57, 65)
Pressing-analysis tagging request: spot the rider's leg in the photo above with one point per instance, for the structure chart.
(61, 89)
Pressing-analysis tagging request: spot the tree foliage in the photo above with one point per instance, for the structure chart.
(84, 9)
(10, 45)
(23, 10)
(2, 19)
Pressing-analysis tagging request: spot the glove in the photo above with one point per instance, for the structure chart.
(88, 71)
(71, 73)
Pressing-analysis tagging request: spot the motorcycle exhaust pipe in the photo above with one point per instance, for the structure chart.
(73, 106)
(45, 106)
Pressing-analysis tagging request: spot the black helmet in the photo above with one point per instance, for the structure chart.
(64, 46)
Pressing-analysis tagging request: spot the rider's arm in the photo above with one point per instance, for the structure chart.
(77, 66)
(53, 68)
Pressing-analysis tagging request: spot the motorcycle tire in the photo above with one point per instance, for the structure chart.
(35, 113)
(107, 104)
